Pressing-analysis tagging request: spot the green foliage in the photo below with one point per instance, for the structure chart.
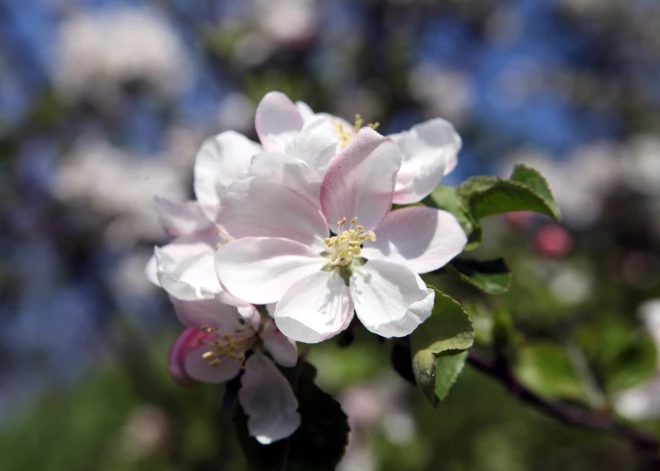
(490, 276)
(546, 368)
(448, 366)
(445, 197)
(526, 190)
(447, 331)
(318, 443)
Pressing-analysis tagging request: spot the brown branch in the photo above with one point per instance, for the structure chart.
(566, 414)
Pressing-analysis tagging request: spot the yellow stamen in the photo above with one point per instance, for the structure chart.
(347, 244)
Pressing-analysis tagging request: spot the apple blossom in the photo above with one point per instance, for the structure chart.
(285, 251)
(214, 349)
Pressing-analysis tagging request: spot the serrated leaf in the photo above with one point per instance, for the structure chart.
(490, 276)
(318, 443)
(447, 368)
(526, 190)
(447, 330)
(445, 197)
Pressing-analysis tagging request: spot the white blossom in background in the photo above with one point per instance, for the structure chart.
(100, 51)
(445, 92)
(118, 186)
(287, 21)
(236, 111)
(381, 404)
(643, 402)
(641, 165)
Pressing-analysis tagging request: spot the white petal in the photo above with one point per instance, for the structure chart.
(315, 308)
(199, 369)
(290, 172)
(315, 144)
(282, 348)
(256, 207)
(360, 180)
(224, 318)
(179, 218)
(222, 160)
(268, 400)
(277, 121)
(260, 270)
(430, 150)
(389, 299)
(186, 268)
(305, 110)
(423, 239)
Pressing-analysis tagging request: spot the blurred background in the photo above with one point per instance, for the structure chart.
(103, 105)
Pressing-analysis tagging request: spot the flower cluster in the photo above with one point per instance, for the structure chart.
(302, 224)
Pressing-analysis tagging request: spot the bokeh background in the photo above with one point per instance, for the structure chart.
(103, 105)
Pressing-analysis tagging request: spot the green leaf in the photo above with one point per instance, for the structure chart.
(318, 443)
(546, 368)
(526, 190)
(447, 368)
(445, 197)
(490, 276)
(448, 330)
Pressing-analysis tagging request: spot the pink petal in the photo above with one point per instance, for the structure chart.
(423, 239)
(360, 180)
(224, 318)
(277, 121)
(185, 267)
(305, 110)
(268, 400)
(222, 160)
(188, 340)
(282, 348)
(290, 172)
(390, 300)
(429, 151)
(199, 368)
(179, 218)
(260, 270)
(256, 207)
(315, 144)
(315, 308)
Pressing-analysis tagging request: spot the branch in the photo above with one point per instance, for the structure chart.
(566, 414)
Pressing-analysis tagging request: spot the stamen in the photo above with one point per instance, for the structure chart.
(346, 245)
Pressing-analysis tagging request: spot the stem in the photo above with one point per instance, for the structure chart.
(566, 414)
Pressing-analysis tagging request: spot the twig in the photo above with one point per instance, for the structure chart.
(564, 413)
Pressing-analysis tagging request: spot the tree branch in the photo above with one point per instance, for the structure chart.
(566, 414)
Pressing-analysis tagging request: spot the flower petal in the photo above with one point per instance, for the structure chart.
(423, 239)
(256, 207)
(390, 300)
(185, 267)
(179, 218)
(290, 172)
(315, 144)
(176, 356)
(222, 160)
(282, 348)
(151, 270)
(430, 150)
(224, 318)
(305, 110)
(277, 121)
(268, 400)
(315, 308)
(360, 180)
(260, 270)
(199, 368)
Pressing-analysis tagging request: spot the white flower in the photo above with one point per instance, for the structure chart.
(213, 348)
(285, 251)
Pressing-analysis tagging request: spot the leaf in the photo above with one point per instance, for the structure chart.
(527, 190)
(445, 197)
(547, 369)
(490, 276)
(447, 368)
(447, 330)
(320, 441)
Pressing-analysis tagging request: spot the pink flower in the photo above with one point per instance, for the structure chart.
(213, 349)
(285, 252)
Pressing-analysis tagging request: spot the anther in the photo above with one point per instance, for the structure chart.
(354, 220)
